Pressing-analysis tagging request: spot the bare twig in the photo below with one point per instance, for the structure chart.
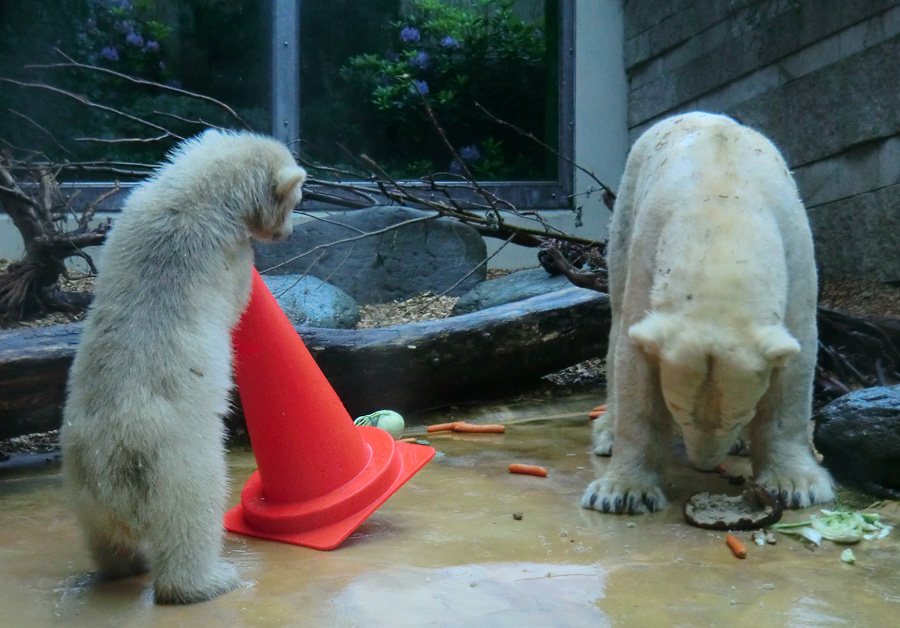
(126, 140)
(91, 104)
(609, 196)
(40, 128)
(352, 239)
(490, 198)
(477, 266)
(88, 214)
(592, 280)
(71, 63)
(202, 123)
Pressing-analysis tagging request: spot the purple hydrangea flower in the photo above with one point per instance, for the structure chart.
(421, 86)
(123, 27)
(420, 60)
(469, 154)
(134, 39)
(410, 34)
(449, 42)
(455, 167)
(110, 54)
(152, 46)
(122, 4)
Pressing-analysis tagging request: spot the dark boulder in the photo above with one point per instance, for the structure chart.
(312, 302)
(517, 286)
(430, 255)
(859, 436)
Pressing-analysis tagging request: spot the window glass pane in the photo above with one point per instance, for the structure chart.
(219, 48)
(366, 67)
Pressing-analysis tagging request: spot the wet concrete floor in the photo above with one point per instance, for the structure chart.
(446, 550)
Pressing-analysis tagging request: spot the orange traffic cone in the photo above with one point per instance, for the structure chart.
(319, 476)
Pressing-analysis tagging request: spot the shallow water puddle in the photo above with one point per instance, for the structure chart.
(446, 550)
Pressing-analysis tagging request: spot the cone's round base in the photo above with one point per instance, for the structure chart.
(325, 521)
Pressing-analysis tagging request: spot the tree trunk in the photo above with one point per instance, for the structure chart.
(405, 368)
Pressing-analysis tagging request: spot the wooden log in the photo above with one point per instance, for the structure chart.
(405, 367)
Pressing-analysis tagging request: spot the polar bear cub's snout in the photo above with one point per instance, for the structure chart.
(288, 192)
(712, 376)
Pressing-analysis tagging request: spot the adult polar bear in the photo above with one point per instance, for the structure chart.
(712, 284)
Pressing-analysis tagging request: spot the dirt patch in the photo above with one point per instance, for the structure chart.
(45, 442)
(423, 307)
(866, 298)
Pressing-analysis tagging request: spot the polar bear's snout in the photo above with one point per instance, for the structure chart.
(706, 450)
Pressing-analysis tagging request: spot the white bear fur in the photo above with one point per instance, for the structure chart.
(712, 285)
(142, 435)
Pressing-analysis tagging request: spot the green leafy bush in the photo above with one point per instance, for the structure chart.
(453, 57)
(179, 44)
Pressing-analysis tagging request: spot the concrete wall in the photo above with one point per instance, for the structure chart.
(819, 77)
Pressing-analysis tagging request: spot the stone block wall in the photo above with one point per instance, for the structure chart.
(821, 78)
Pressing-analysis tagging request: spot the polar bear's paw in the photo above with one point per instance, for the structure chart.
(189, 590)
(623, 496)
(799, 487)
(603, 442)
(604, 434)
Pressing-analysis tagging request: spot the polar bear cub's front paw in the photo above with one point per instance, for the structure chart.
(615, 494)
(798, 485)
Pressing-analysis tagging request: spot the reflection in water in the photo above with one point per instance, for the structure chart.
(484, 595)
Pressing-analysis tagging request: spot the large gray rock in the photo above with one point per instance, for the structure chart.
(426, 256)
(312, 302)
(859, 437)
(517, 286)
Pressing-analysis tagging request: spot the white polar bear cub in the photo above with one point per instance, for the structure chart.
(142, 435)
(712, 285)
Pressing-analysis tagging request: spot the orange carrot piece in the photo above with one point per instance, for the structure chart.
(600, 408)
(596, 414)
(736, 546)
(462, 426)
(441, 427)
(411, 439)
(528, 469)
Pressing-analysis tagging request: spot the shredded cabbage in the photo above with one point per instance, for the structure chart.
(840, 526)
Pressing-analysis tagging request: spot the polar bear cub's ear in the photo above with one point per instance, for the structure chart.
(776, 344)
(288, 182)
(652, 332)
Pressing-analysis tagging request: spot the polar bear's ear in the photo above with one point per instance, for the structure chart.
(288, 182)
(776, 344)
(652, 332)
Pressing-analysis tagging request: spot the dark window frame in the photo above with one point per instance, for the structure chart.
(555, 194)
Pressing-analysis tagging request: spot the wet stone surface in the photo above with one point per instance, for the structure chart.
(448, 550)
